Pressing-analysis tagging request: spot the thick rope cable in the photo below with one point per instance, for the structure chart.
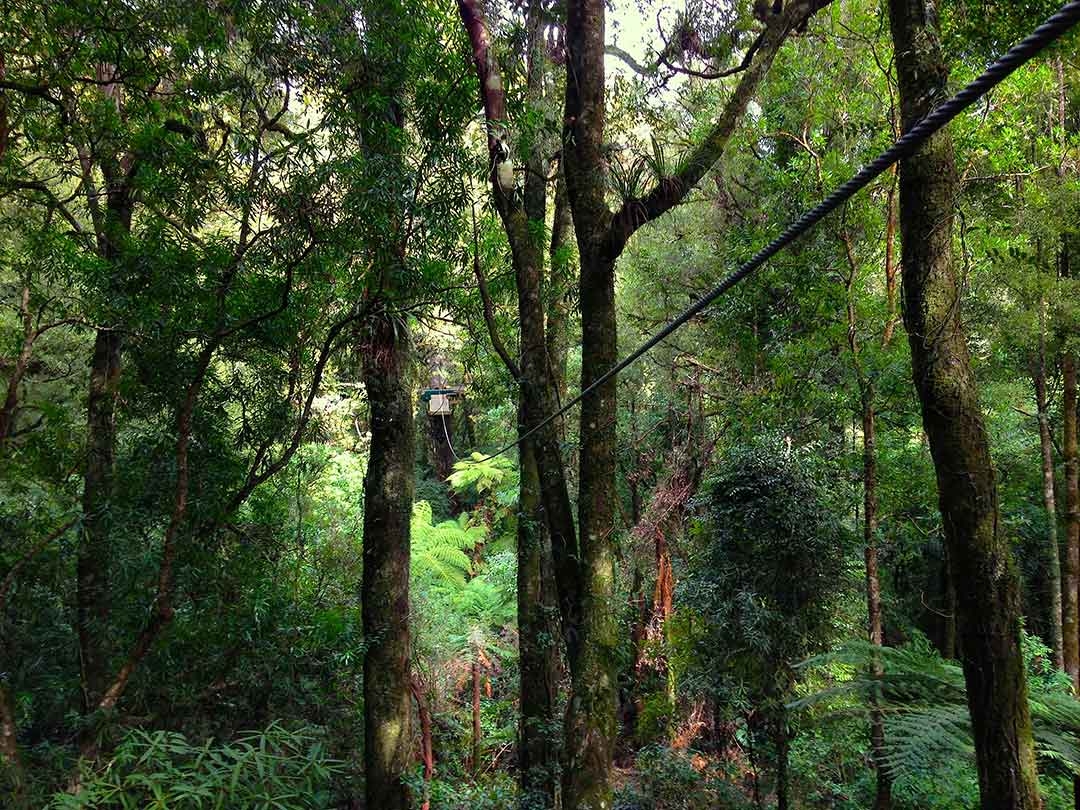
(449, 443)
(906, 146)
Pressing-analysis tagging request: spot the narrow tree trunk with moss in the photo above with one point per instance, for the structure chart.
(95, 546)
(1052, 554)
(1070, 626)
(94, 550)
(544, 518)
(875, 631)
(1070, 601)
(427, 749)
(988, 592)
(538, 758)
(388, 496)
(12, 772)
(883, 795)
(474, 671)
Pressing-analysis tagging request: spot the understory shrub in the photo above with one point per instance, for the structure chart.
(277, 768)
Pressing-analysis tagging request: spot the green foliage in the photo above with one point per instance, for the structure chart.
(929, 743)
(764, 519)
(496, 793)
(669, 779)
(274, 769)
(483, 476)
(439, 552)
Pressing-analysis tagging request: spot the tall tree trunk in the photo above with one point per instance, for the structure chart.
(388, 496)
(11, 765)
(475, 672)
(988, 592)
(538, 755)
(427, 751)
(1070, 626)
(544, 502)
(591, 715)
(94, 549)
(783, 753)
(883, 796)
(1070, 602)
(1052, 553)
(95, 552)
(890, 266)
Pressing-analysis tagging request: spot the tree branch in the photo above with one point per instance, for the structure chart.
(669, 191)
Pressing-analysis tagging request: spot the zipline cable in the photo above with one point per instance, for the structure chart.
(1054, 27)
(449, 443)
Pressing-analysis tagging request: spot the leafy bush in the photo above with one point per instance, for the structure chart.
(668, 779)
(273, 769)
(928, 737)
(497, 793)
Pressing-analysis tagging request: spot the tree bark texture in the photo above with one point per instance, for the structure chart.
(94, 550)
(538, 755)
(1070, 615)
(988, 594)
(1052, 551)
(388, 495)
(11, 766)
(545, 520)
(883, 795)
(601, 236)
(475, 673)
(427, 750)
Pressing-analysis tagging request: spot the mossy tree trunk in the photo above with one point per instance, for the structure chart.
(1070, 614)
(1052, 551)
(95, 552)
(544, 518)
(988, 594)
(388, 496)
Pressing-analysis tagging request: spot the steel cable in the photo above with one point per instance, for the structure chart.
(1043, 36)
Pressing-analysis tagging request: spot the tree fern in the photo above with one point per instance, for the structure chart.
(439, 551)
(923, 698)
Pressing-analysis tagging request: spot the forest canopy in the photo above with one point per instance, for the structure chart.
(298, 504)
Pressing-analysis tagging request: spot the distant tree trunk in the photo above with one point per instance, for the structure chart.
(1070, 626)
(95, 546)
(1052, 553)
(783, 753)
(93, 558)
(890, 266)
(544, 502)
(10, 405)
(388, 496)
(538, 756)
(475, 672)
(988, 593)
(427, 752)
(11, 765)
(883, 796)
